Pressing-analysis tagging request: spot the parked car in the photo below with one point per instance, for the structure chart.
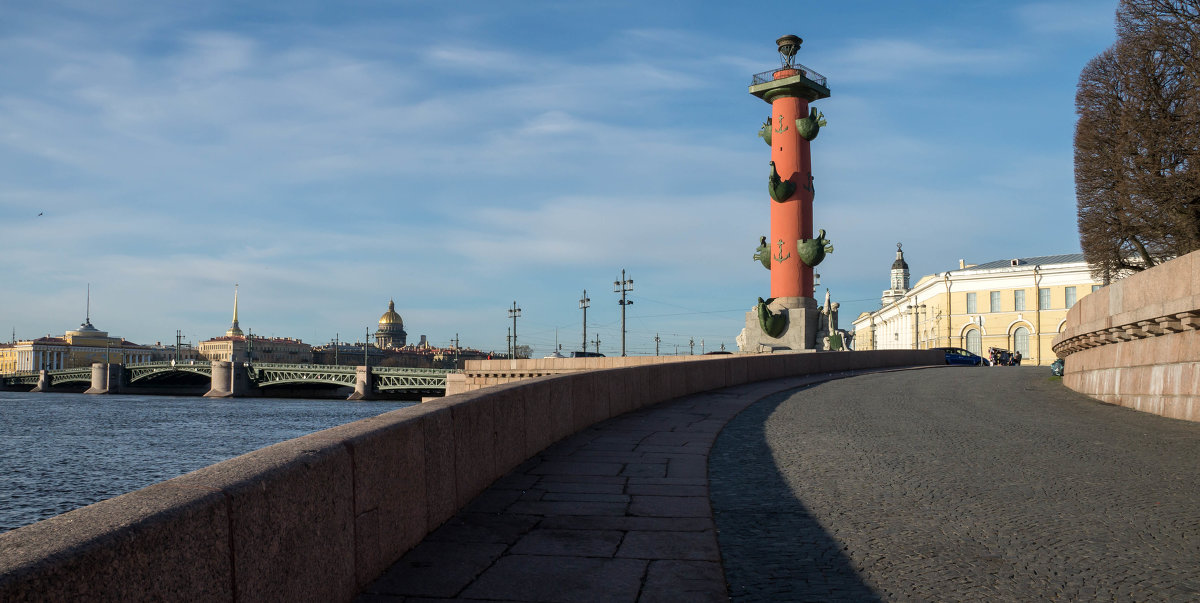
(1002, 357)
(1056, 368)
(961, 357)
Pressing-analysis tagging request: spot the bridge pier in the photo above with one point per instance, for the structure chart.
(362, 384)
(106, 378)
(43, 384)
(229, 380)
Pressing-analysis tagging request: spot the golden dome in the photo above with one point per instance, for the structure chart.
(390, 317)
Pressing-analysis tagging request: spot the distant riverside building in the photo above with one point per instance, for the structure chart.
(164, 353)
(236, 346)
(76, 348)
(348, 354)
(1016, 304)
(391, 348)
(250, 348)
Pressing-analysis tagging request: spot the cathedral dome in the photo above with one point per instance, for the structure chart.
(390, 317)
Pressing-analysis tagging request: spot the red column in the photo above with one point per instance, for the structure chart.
(791, 220)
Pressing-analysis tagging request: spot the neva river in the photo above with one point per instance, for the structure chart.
(59, 452)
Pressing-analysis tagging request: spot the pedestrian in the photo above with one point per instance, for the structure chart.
(1017, 359)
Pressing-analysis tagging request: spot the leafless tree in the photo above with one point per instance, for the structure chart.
(1137, 140)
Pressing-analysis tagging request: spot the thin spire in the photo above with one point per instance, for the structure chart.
(88, 317)
(234, 331)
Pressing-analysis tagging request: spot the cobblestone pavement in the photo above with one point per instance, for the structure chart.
(955, 484)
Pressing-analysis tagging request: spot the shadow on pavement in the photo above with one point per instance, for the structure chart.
(772, 548)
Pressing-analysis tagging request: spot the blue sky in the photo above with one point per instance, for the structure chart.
(459, 156)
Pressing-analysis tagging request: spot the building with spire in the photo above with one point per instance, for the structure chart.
(899, 279)
(236, 346)
(79, 347)
(1016, 304)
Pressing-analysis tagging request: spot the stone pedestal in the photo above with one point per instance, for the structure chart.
(106, 378)
(43, 384)
(362, 384)
(800, 334)
(229, 380)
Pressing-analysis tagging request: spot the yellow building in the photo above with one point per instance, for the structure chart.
(77, 348)
(1016, 304)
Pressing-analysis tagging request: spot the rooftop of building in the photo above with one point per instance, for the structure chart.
(1041, 260)
(255, 337)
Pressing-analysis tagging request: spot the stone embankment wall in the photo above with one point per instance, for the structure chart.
(318, 517)
(478, 374)
(1135, 343)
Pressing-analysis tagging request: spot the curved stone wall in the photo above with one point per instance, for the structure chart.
(1135, 342)
(318, 517)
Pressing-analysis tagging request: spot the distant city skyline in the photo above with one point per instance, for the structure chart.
(330, 158)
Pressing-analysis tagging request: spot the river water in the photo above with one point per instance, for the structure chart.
(59, 452)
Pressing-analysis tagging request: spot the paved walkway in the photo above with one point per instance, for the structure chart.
(933, 484)
(928, 486)
(617, 512)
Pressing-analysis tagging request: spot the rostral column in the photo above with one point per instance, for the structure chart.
(789, 319)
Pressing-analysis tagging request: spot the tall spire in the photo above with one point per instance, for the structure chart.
(87, 320)
(234, 331)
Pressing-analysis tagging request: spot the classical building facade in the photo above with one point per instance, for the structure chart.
(75, 349)
(1017, 304)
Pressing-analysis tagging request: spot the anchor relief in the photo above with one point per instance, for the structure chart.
(779, 257)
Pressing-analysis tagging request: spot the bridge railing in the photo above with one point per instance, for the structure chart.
(158, 363)
(346, 368)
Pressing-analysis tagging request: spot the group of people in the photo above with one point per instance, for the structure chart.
(1000, 357)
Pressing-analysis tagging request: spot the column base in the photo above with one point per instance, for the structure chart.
(800, 334)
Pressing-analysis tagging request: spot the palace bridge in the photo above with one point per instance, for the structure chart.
(225, 379)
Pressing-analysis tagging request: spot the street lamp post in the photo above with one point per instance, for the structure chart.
(584, 302)
(513, 313)
(623, 286)
(915, 310)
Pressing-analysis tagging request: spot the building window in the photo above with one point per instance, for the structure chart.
(1043, 299)
(1095, 288)
(1070, 295)
(971, 303)
(974, 342)
(1021, 341)
(1019, 300)
(995, 301)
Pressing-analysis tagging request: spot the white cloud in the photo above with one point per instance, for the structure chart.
(1072, 16)
(881, 60)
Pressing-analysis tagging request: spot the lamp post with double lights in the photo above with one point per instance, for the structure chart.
(514, 312)
(623, 286)
(584, 303)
